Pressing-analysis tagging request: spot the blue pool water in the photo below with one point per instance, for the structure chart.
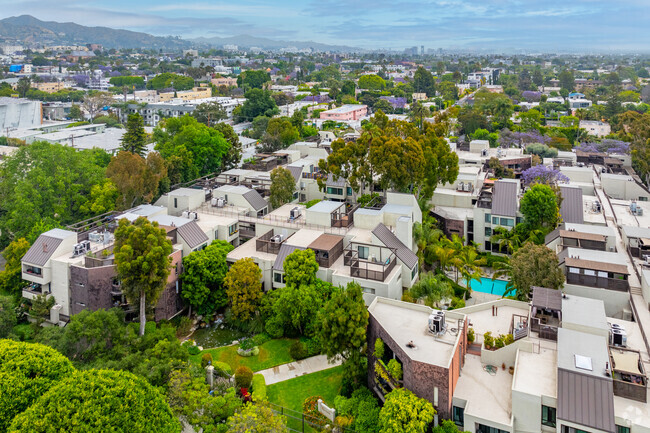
(486, 285)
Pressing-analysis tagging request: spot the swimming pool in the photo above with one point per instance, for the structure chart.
(486, 285)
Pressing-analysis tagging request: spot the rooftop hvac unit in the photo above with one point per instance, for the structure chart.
(295, 213)
(437, 322)
(639, 211)
(468, 186)
(194, 216)
(95, 237)
(618, 337)
(616, 326)
(213, 202)
(277, 239)
(647, 260)
(185, 214)
(81, 248)
(633, 207)
(461, 186)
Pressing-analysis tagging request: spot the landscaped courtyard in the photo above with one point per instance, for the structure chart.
(272, 353)
(292, 393)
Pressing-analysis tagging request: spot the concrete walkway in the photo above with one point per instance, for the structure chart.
(298, 368)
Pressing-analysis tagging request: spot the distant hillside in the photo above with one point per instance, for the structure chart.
(30, 30)
(247, 41)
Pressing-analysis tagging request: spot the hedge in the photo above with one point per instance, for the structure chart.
(259, 387)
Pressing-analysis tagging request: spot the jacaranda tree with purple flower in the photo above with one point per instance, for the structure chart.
(543, 174)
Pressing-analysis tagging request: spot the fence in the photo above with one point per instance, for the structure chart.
(303, 423)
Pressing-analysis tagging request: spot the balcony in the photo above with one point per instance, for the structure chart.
(376, 270)
(617, 284)
(33, 271)
(270, 242)
(34, 290)
(628, 374)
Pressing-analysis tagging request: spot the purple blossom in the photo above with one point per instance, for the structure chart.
(396, 102)
(509, 138)
(531, 96)
(606, 146)
(80, 79)
(543, 174)
(116, 74)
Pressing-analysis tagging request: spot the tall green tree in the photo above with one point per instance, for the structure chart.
(540, 207)
(532, 265)
(283, 185)
(253, 79)
(11, 277)
(258, 103)
(134, 139)
(567, 80)
(209, 113)
(342, 323)
(258, 418)
(279, 134)
(244, 288)
(431, 289)
(142, 262)
(203, 277)
(232, 157)
(113, 400)
(300, 268)
(423, 82)
(404, 412)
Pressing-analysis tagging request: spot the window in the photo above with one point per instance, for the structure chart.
(232, 229)
(508, 222)
(363, 252)
(487, 429)
(414, 272)
(520, 220)
(458, 416)
(488, 231)
(349, 190)
(621, 429)
(295, 195)
(335, 191)
(548, 416)
(368, 290)
(487, 218)
(175, 202)
(574, 270)
(278, 277)
(495, 220)
(641, 199)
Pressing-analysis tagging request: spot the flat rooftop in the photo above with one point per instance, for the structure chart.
(406, 322)
(482, 319)
(303, 238)
(584, 312)
(488, 396)
(536, 373)
(574, 346)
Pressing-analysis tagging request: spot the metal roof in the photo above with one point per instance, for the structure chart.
(296, 172)
(255, 200)
(326, 242)
(504, 198)
(585, 399)
(570, 234)
(42, 250)
(340, 182)
(388, 238)
(596, 266)
(547, 298)
(285, 250)
(192, 234)
(571, 207)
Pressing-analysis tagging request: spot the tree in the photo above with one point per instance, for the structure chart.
(232, 158)
(423, 82)
(371, 82)
(253, 79)
(533, 265)
(93, 103)
(11, 277)
(45, 181)
(244, 288)
(342, 323)
(203, 276)
(209, 113)
(191, 398)
(24, 84)
(404, 412)
(540, 207)
(75, 112)
(447, 426)
(279, 134)
(431, 289)
(168, 80)
(7, 316)
(283, 185)
(258, 418)
(114, 400)
(258, 103)
(142, 262)
(135, 178)
(300, 268)
(538, 78)
(541, 150)
(471, 120)
(134, 139)
(27, 371)
(567, 80)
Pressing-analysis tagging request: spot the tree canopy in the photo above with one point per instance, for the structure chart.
(11, 277)
(244, 288)
(404, 412)
(540, 207)
(134, 139)
(99, 399)
(533, 265)
(258, 103)
(253, 79)
(283, 185)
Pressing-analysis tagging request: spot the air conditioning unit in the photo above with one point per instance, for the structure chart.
(295, 213)
(94, 237)
(213, 202)
(185, 214)
(437, 322)
(277, 239)
(194, 216)
(618, 337)
(81, 248)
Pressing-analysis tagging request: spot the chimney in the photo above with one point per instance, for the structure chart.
(404, 231)
(44, 247)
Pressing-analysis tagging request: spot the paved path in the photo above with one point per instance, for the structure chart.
(298, 368)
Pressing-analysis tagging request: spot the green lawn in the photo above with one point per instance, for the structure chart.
(292, 393)
(272, 353)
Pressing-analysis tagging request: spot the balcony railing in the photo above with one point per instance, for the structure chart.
(366, 269)
(545, 331)
(269, 243)
(599, 282)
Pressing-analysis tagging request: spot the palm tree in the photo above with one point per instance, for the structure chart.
(504, 269)
(444, 255)
(509, 239)
(426, 237)
(431, 289)
(470, 264)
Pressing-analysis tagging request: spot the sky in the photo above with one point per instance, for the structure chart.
(532, 25)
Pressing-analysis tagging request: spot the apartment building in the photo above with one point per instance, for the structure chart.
(186, 95)
(566, 367)
(346, 112)
(152, 113)
(50, 87)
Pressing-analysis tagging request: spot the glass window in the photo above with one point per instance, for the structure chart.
(278, 277)
(458, 414)
(508, 222)
(334, 191)
(590, 272)
(487, 217)
(621, 429)
(232, 229)
(488, 231)
(574, 270)
(368, 290)
(548, 416)
(349, 190)
(495, 220)
(414, 272)
(363, 252)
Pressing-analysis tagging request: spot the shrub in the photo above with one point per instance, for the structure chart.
(488, 340)
(509, 339)
(456, 302)
(298, 350)
(243, 377)
(193, 350)
(206, 359)
(395, 369)
(261, 338)
(259, 387)
(499, 342)
(250, 352)
(247, 344)
(222, 368)
(470, 335)
(184, 325)
(310, 203)
(313, 348)
(310, 408)
(379, 348)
